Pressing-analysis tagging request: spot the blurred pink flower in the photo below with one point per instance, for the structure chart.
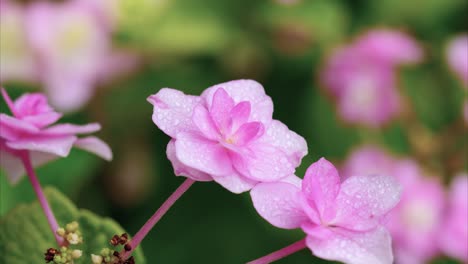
(362, 76)
(227, 135)
(31, 130)
(457, 54)
(415, 221)
(453, 236)
(16, 60)
(66, 46)
(342, 219)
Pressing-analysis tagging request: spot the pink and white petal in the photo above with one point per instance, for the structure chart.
(220, 108)
(279, 135)
(202, 154)
(173, 110)
(13, 128)
(247, 133)
(235, 182)
(265, 163)
(321, 186)
(59, 146)
(202, 119)
(68, 92)
(42, 120)
(364, 200)
(354, 247)
(182, 170)
(94, 145)
(246, 90)
(278, 203)
(391, 46)
(14, 168)
(240, 114)
(70, 129)
(294, 180)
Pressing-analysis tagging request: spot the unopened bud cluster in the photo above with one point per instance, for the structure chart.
(109, 256)
(63, 256)
(71, 233)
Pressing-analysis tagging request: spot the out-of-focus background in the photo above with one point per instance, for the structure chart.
(374, 86)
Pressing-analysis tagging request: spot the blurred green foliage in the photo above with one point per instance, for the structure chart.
(191, 45)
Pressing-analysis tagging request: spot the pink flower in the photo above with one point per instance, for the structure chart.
(453, 236)
(65, 46)
(342, 219)
(31, 130)
(457, 52)
(227, 135)
(16, 60)
(414, 223)
(362, 76)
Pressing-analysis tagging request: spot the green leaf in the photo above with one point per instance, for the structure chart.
(25, 234)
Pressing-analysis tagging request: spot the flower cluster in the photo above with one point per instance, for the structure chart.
(362, 76)
(64, 46)
(228, 135)
(424, 215)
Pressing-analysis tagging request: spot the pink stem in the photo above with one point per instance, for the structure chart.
(135, 241)
(277, 255)
(41, 197)
(8, 101)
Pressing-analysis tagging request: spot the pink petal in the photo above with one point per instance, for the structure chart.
(199, 153)
(363, 200)
(457, 52)
(68, 92)
(94, 145)
(34, 109)
(321, 185)
(247, 133)
(453, 233)
(240, 114)
(59, 146)
(235, 183)
(277, 202)
(14, 168)
(264, 163)
(173, 111)
(391, 46)
(70, 129)
(246, 90)
(279, 135)
(220, 108)
(182, 170)
(202, 119)
(354, 247)
(13, 128)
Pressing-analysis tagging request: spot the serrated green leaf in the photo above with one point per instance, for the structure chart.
(25, 234)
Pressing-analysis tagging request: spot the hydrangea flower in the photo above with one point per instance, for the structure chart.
(31, 130)
(65, 46)
(342, 219)
(227, 134)
(362, 76)
(453, 236)
(415, 222)
(16, 62)
(457, 52)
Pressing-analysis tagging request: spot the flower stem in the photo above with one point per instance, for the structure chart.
(277, 255)
(41, 197)
(144, 230)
